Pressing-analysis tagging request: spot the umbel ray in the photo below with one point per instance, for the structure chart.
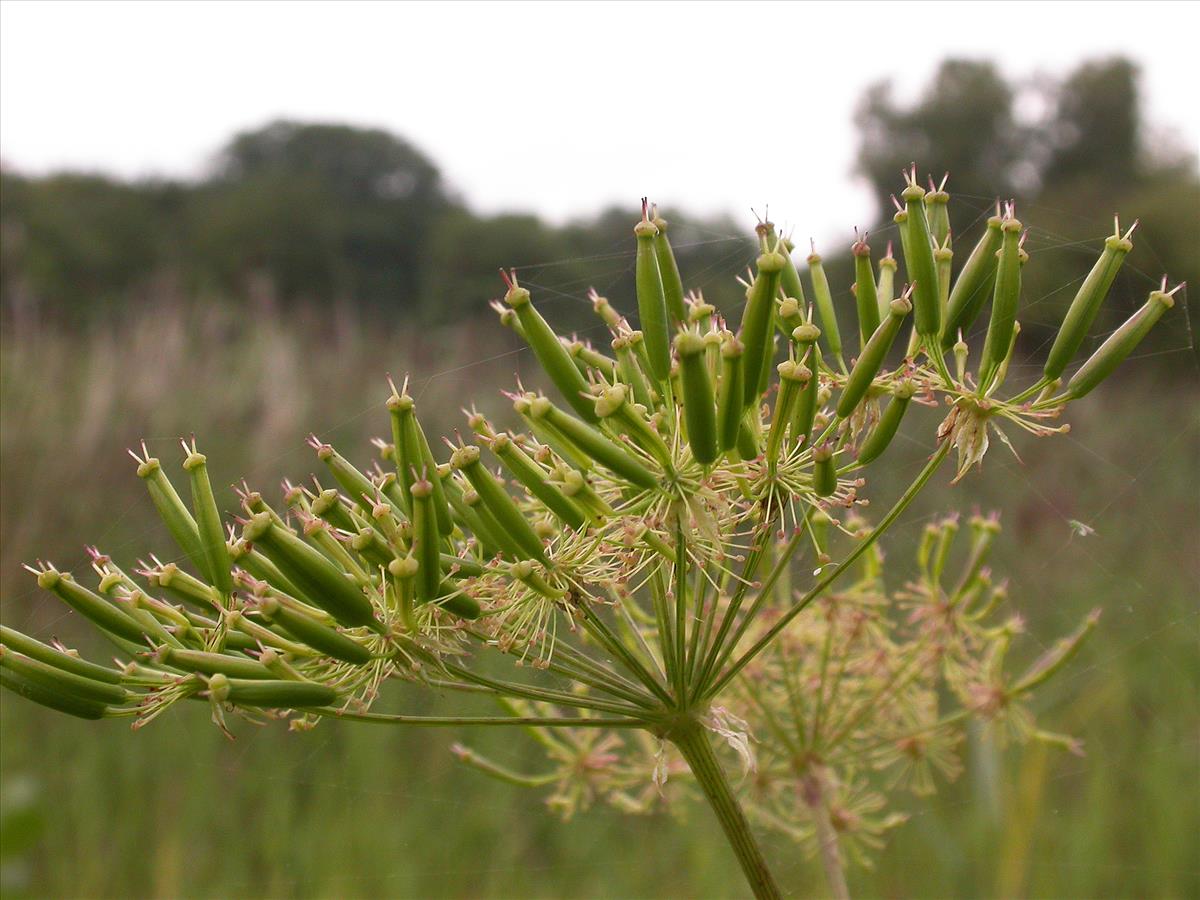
(671, 550)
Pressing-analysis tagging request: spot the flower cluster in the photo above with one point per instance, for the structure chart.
(628, 543)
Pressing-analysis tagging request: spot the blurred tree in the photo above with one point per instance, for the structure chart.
(326, 210)
(313, 213)
(962, 123)
(1094, 129)
(82, 242)
(466, 252)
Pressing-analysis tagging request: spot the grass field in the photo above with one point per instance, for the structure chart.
(345, 811)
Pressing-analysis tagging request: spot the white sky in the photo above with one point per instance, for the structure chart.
(555, 108)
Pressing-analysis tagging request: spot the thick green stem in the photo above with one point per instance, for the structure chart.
(692, 741)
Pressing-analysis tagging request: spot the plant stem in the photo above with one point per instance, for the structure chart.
(692, 741)
(449, 721)
(764, 591)
(827, 839)
(886, 522)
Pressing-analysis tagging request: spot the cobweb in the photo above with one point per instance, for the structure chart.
(1057, 533)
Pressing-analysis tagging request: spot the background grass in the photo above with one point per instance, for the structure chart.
(352, 811)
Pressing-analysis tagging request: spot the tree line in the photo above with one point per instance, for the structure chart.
(294, 214)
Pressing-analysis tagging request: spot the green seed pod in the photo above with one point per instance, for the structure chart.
(651, 299)
(594, 444)
(808, 401)
(441, 505)
(901, 221)
(937, 211)
(278, 665)
(317, 533)
(947, 531)
(970, 288)
(824, 301)
(824, 471)
(869, 362)
(556, 362)
(35, 649)
(453, 600)
(210, 663)
(513, 524)
(406, 454)
(789, 278)
(314, 633)
(929, 538)
(90, 605)
(403, 591)
(699, 406)
(918, 259)
(318, 579)
(604, 309)
(142, 610)
(425, 542)
(271, 694)
(790, 315)
(630, 372)
(747, 441)
(889, 422)
(218, 566)
(805, 335)
(1121, 342)
(943, 259)
(668, 269)
(253, 503)
(397, 532)
(793, 377)
(238, 623)
(171, 509)
(358, 487)
(327, 506)
(1087, 302)
(56, 700)
(508, 318)
(264, 570)
(623, 418)
(458, 567)
(573, 347)
(593, 359)
(731, 401)
(1005, 297)
(184, 586)
(472, 512)
(885, 292)
(525, 572)
(1061, 653)
(961, 350)
(60, 681)
(526, 471)
(758, 322)
(865, 296)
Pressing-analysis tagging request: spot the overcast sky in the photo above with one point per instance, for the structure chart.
(556, 108)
